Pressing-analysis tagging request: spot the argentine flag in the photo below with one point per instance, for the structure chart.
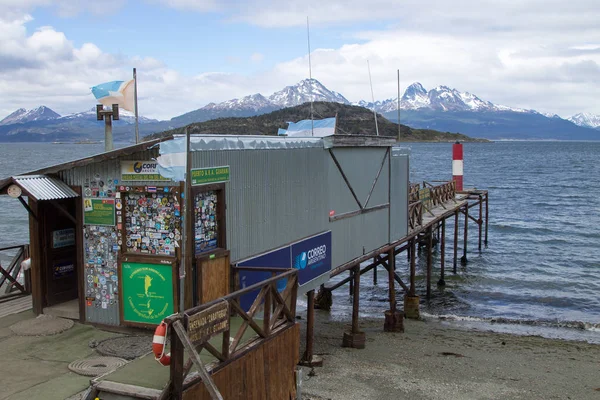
(308, 128)
(116, 92)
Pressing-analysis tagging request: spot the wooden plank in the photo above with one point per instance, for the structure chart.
(127, 390)
(215, 277)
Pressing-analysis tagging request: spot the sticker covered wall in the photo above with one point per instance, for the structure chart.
(206, 226)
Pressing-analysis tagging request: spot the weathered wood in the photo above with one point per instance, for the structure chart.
(455, 240)
(463, 259)
(365, 210)
(124, 389)
(338, 140)
(442, 282)
(355, 300)
(310, 327)
(429, 259)
(413, 267)
(486, 218)
(210, 385)
(176, 366)
(213, 277)
(391, 278)
(480, 221)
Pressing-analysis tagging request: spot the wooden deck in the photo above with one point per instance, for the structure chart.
(15, 305)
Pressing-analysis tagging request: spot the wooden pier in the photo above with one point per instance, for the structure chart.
(430, 206)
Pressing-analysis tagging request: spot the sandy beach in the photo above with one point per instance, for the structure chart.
(432, 360)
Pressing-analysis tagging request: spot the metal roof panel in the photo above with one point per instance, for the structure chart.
(43, 187)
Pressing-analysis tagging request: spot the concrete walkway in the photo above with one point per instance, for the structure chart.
(35, 367)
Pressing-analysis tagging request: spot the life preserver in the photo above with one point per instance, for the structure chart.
(158, 345)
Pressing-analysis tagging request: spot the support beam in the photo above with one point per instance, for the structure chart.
(480, 220)
(29, 210)
(463, 259)
(429, 259)
(442, 282)
(455, 239)
(394, 320)
(63, 211)
(375, 272)
(309, 359)
(355, 338)
(486, 217)
(413, 266)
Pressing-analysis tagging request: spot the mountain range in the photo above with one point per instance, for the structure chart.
(442, 108)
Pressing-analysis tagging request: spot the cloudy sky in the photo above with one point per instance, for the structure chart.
(543, 55)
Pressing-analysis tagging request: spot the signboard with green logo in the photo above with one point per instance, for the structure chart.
(98, 211)
(203, 176)
(146, 292)
(141, 171)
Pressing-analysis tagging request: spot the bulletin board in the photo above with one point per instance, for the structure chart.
(150, 220)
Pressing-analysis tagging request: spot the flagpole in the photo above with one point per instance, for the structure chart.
(373, 98)
(312, 124)
(137, 127)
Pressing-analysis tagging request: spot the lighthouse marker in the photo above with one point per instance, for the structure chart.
(457, 165)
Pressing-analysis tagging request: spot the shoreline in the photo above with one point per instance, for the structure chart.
(433, 359)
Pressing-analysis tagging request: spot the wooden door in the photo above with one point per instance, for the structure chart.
(213, 276)
(59, 265)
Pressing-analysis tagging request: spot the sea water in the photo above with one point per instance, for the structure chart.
(539, 274)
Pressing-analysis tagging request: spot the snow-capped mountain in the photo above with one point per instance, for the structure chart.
(253, 102)
(586, 120)
(303, 91)
(22, 115)
(126, 117)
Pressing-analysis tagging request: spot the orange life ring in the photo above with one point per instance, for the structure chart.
(158, 345)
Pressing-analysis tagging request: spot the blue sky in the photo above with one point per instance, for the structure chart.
(543, 55)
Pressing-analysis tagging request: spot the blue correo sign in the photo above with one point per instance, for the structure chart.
(311, 257)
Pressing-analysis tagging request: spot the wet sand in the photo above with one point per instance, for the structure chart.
(432, 360)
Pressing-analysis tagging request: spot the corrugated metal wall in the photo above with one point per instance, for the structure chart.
(399, 193)
(274, 197)
(352, 237)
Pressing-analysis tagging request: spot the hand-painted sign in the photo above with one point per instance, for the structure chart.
(147, 292)
(63, 238)
(98, 211)
(202, 176)
(311, 257)
(141, 171)
(208, 323)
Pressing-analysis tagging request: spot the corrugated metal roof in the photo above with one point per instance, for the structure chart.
(43, 187)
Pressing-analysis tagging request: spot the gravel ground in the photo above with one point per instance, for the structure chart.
(434, 361)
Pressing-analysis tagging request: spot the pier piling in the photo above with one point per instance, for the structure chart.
(455, 239)
(463, 259)
(442, 282)
(355, 338)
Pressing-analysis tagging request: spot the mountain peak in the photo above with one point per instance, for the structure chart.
(305, 91)
(587, 120)
(22, 115)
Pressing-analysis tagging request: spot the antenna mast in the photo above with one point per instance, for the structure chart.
(398, 105)
(373, 98)
(312, 124)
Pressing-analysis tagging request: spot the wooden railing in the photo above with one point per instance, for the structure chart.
(9, 273)
(270, 313)
(415, 214)
(413, 192)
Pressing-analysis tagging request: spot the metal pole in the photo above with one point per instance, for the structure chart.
(108, 136)
(373, 98)
(137, 127)
(312, 124)
(398, 105)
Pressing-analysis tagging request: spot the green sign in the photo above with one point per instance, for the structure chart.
(98, 211)
(147, 291)
(202, 176)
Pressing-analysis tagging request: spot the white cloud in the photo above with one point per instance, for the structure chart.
(257, 58)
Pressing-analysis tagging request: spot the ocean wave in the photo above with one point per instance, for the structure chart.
(547, 323)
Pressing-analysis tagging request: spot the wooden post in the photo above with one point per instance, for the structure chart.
(480, 220)
(413, 267)
(309, 359)
(176, 365)
(355, 338)
(463, 259)
(429, 259)
(355, 299)
(455, 238)
(486, 217)
(267, 310)
(394, 320)
(351, 283)
(442, 282)
(375, 273)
